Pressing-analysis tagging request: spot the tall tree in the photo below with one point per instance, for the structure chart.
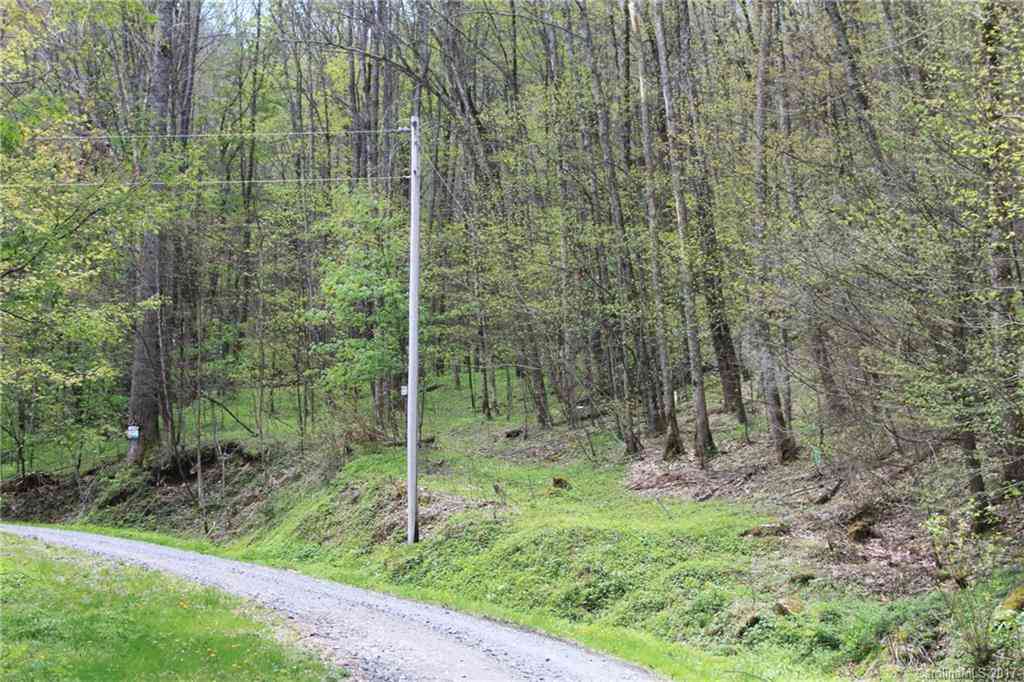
(703, 443)
(626, 289)
(147, 375)
(1004, 225)
(712, 268)
(673, 442)
(782, 441)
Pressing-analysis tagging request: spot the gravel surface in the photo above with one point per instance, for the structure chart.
(376, 636)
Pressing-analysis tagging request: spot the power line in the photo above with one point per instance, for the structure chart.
(189, 136)
(186, 184)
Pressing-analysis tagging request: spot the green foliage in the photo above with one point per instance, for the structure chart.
(365, 286)
(119, 485)
(973, 564)
(10, 136)
(64, 325)
(286, 297)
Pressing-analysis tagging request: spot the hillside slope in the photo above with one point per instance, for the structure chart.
(556, 532)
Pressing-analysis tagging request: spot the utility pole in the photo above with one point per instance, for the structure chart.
(411, 411)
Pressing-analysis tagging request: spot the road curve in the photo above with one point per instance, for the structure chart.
(376, 636)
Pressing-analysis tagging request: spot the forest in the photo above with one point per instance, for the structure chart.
(673, 227)
(814, 206)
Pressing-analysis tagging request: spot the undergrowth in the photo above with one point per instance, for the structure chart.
(671, 584)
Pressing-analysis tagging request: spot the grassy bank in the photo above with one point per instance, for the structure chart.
(668, 584)
(542, 533)
(71, 616)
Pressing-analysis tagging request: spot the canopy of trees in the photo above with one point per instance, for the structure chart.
(803, 212)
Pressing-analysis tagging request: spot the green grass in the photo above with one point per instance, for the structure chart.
(467, 580)
(61, 455)
(665, 584)
(641, 579)
(69, 616)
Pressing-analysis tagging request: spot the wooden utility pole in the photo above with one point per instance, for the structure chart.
(411, 421)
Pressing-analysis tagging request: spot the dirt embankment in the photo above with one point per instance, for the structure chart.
(861, 520)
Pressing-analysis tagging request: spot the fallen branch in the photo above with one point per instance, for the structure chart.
(827, 495)
(232, 414)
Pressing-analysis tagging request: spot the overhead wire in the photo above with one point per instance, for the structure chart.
(186, 183)
(192, 136)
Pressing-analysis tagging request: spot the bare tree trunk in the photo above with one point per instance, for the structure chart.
(626, 286)
(834, 402)
(484, 361)
(964, 401)
(673, 442)
(144, 399)
(1006, 336)
(469, 373)
(782, 440)
(536, 374)
(200, 488)
(819, 338)
(568, 315)
(19, 432)
(855, 87)
(703, 443)
(712, 270)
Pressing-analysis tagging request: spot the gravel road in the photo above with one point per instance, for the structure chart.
(376, 636)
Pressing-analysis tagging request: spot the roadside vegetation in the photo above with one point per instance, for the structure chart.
(66, 615)
(544, 532)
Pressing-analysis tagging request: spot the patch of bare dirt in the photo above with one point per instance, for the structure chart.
(434, 508)
(41, 497)
(859, 522)
(532, 445)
